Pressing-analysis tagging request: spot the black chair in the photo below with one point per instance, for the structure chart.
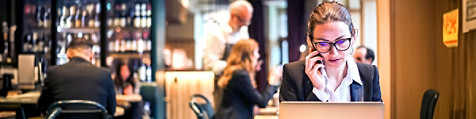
(203, 111)
(80, 109)
(428, 104)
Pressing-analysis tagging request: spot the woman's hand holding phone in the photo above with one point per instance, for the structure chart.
(313, 63)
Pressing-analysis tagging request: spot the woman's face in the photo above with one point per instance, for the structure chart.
(332, 32)
(125, 73)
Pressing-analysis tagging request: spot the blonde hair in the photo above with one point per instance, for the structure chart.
(240, 59)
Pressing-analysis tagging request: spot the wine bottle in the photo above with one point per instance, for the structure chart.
(84, 18)
(143, 20)
(97, 23)
(137, 15)
(149, 15)
(46, 18)
(78, 17)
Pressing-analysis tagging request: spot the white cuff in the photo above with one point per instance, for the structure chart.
(322, 95)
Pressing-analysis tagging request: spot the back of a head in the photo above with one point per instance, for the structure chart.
(80, 47)
(369, 54)
(242, 51)
(240, 5)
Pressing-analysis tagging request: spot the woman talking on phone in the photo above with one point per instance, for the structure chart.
(329, 73)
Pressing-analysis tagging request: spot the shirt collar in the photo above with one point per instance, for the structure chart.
(353, 71)
(227, 28)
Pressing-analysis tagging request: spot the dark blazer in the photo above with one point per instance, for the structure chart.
(78, 80)
(240, 97)
(297, 86)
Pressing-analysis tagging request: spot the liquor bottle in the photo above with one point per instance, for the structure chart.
(63, 15)
(33, 42)
(84, 18)
(39, 17)
(117, 12)
(137, 15)
(149, 15)
(130, 17)
(91, 13)
(140, 43)
(97, 23)
(46, 18)
(143, 20)
(78, 17)
(4, 49)
(122, 15)
(26, 42)
(40, 43)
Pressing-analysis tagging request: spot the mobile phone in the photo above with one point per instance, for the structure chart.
(319, 61)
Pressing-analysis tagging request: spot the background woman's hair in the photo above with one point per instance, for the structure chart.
(240, 59)
(329, 12)
(118, 81)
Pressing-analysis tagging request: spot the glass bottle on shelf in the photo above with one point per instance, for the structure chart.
(91, 13)
(70, 19)
(46, 18)
(33, 42)
(149, 15)
(137, 15)
(122, 15)
(84, 18)
(63, 17)
(78, 17)
(143, 20)
(98, 10)
(39, 17)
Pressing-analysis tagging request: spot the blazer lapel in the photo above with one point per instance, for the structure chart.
(356, 92)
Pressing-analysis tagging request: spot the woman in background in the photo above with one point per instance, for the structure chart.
(125, 84)
(238, 82)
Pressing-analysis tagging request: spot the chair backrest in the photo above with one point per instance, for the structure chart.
(76, 109)
(150, 94)
(428, 104)
(203, 111)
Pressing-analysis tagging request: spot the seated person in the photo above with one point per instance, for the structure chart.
(329, 73)
(240, 93)
(125, 84)
(78, 80)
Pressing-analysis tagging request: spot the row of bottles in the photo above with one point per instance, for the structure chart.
(130, 41)
(136, 15)
(38, 15)
(36, 42)
(7, 45)
(79, 16)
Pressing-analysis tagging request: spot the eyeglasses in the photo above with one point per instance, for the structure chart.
(242, 21)
(340, 45)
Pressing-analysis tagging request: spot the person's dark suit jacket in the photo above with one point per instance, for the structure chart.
(78, 80)
(240, 97)
(297, 86)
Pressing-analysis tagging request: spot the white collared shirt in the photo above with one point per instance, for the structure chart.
(217, 38)
(342, 93)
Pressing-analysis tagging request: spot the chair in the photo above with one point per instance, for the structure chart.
(428, 104)
(150, 95)
(203, 111)
(76, 109)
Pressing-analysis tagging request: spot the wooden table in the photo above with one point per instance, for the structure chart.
(129, 98)
(19, 102)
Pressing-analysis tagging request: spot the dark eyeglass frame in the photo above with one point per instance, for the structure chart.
(332, 44)
(242, 20)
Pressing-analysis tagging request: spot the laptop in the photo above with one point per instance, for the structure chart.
(330, 110)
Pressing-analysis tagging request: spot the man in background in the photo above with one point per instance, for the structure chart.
(364, 55)
(78, 80)
(221, 39)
